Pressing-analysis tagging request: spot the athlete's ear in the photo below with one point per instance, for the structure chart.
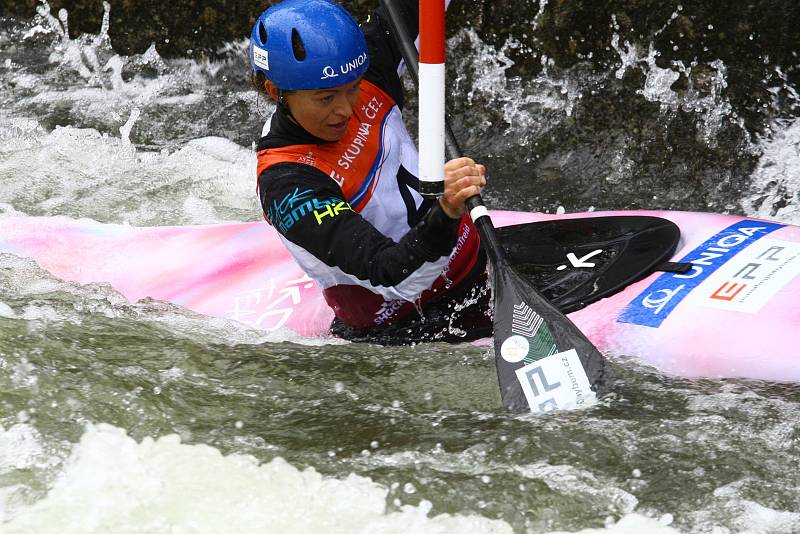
(272, 90)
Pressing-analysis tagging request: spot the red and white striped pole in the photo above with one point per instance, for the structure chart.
(431, 97)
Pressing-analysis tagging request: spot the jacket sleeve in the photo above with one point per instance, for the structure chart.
(309, 210)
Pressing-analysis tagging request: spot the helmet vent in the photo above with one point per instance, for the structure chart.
(262, 33)
(297, 46)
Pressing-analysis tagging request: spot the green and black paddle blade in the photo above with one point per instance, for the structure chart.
(573, 262)
(544, 362)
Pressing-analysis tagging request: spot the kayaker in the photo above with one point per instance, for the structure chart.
(337, 179)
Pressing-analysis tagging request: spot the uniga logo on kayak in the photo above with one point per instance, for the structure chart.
(296, 205)
(656, 302)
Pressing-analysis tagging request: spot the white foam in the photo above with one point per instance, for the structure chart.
(111, 483)
(570, 480)
(21, 452)
(630, 524)
(776, 180)
(756, 517)
(105, 178)
(743, 514)
(20, 447)
(6, 311)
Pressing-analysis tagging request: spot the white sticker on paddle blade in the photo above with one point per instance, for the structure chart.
(556, 382)
(261, 58)
(514, 349)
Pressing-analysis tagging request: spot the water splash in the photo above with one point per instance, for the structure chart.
(95, 175)
(82, 55)
(125, 130)
(629, 55)
(775, 189)
(702, 96)
(675, 15)
(529, 107)
(538, 16)
(774, 192)
(118, 160)
(113, 85)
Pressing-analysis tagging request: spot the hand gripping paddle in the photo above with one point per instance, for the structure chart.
(543, 361)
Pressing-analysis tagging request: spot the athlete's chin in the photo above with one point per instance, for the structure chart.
(332, 137)
(334, 132)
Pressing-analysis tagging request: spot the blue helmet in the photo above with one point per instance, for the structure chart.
(308, 44)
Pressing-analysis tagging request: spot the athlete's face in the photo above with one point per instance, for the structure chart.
(324, 113)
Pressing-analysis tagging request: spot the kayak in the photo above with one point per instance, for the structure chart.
(726, 305)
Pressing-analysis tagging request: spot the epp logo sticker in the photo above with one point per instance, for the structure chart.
(751, 279)
(656, 303)
(261, 57)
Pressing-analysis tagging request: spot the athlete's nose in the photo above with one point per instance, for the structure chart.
(344, 108)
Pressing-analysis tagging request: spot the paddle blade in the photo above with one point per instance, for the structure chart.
(544, 362)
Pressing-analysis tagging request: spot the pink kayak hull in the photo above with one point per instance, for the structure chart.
(736, 314)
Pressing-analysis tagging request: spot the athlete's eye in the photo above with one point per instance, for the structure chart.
(326, 99)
